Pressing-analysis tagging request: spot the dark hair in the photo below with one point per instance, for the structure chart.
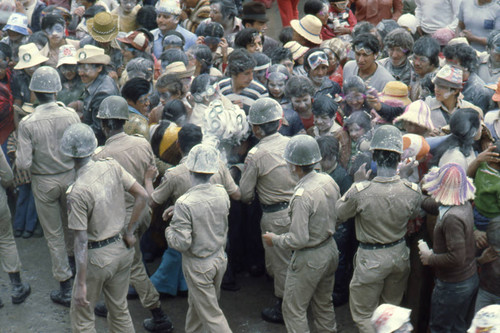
(329, 147)
(260, 58)
(363, 27)
(386, 158)
(212, 29)
(52, 19)
(298, 86)
(361, 118)
(465, 55)
(279, 54)
(245, 37)
(141, 65)
(7, 50)
(203, 55)
(286, 35)
(39, 38)
(280, 69)
(426, 82)
(134, 88)
(399, 38)
(313, 7)
(307, 67)
(354, 82)
(358, 160)
(367, 40)
(172, 83)
(174, 33)
(384, 27)
(270, 127)
(113, 124)
(189, 136)
(146, 17)
(239, 61)
(200, 83)
(173, 111)
(324, 105)
(172, 55)
(44, 97)
(227, 8)
(464, 124)
(493, 38)
(93, 11)
(428, 47)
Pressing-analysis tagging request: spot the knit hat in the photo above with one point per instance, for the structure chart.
(418, 145)
(417, 113)
(449, 185)
(387, 318)
(296, 49)
(408, 21)
(395, 91)
(486, 320)
(308, 27)
(443, 36)
(449, 76)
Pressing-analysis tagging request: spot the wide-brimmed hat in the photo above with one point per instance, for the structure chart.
(67, 55)
(103, 27)
(449, 76)
(29, 56)
(137, 39)
(296, 49)
(308, 27)
(496, 87)
(91, 54)
(17, 22)
(178, 69)
(254, 10)
(168, 7)
(395, 91)
(417, 113)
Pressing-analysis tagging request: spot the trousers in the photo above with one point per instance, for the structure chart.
(168, 278)
(288, 11)
(9, 256)
(26, 216)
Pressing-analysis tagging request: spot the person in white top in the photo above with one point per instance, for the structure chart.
(433, 15)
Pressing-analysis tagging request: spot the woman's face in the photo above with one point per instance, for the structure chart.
(276, 88)
(355, 131)
(255, 45)
(323, 122)
(68, 71)
(355, 100)
(302, 104)
(55, 33)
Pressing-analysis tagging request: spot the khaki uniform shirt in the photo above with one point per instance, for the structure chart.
(177, 181)
(312, 212)
(266, 171)
(6, 175)
(40, 139)
(133, 152)
(381, 207)
(96, 199)
(199, 225)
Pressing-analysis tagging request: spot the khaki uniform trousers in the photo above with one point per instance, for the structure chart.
(8, 250)
(380, 276)
(309, 282)
(204, 277)
(50, 201)
(108, 271)
(149, 296)
(277, 259)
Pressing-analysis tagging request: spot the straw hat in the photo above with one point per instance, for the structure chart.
(308, 27)
(137, 39)
(67, 55)
(395, 91)
(496, 87)
(449, 76)
(103, 27)
(417, 113)
(449, 185)
(296, 49)
(91, 54)
(29, 56)
(178, 69)
(17, 22)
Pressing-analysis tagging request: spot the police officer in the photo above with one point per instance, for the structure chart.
(199, 230)
(51, 172)
(311, 273)
(381, 209)
(135, 155)
(8, 249)
(97, 214)
(267, 173)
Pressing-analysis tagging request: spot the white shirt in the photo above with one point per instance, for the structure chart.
(436, 14)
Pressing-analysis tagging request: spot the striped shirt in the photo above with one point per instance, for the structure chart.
(248, 96)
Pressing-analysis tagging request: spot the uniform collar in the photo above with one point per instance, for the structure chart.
(270, 137)
(85, 168)
(134, 110)
(380, 179)
(45, 106)
(306, 178)
(115, 137)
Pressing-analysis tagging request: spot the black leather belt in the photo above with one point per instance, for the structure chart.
(274, 207)
(104, 242)
(367, 246)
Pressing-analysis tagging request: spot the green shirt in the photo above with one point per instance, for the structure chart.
(487, 184)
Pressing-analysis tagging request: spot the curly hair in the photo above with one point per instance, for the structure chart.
(465, 54)
(428, 47)
(299, 86)
(399, 38)
(239, 61)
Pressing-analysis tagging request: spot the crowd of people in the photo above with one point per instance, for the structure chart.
(355, 160)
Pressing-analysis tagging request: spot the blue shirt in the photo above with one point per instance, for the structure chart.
(189, 37)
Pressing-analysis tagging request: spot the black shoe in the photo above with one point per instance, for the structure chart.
(27, 234)
(63, 295)
(159, 323)
(273, 313)
(20, 290)
(100, 309)
(18, 233)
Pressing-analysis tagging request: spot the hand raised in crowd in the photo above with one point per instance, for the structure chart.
(361, 174)
(168, 213)
(19, 7)
(200, 40)
(79, 11)
(488, 155)
(223, 44)
(151, 172)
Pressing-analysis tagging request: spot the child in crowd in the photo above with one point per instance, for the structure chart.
(127, 13)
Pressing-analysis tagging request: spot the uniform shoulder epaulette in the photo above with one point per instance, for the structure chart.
(68, 190)
(362, 185)
(299, 192)
(98, 150)
(253, 150)
(411, 185)
(106, 159)
(138, 135)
